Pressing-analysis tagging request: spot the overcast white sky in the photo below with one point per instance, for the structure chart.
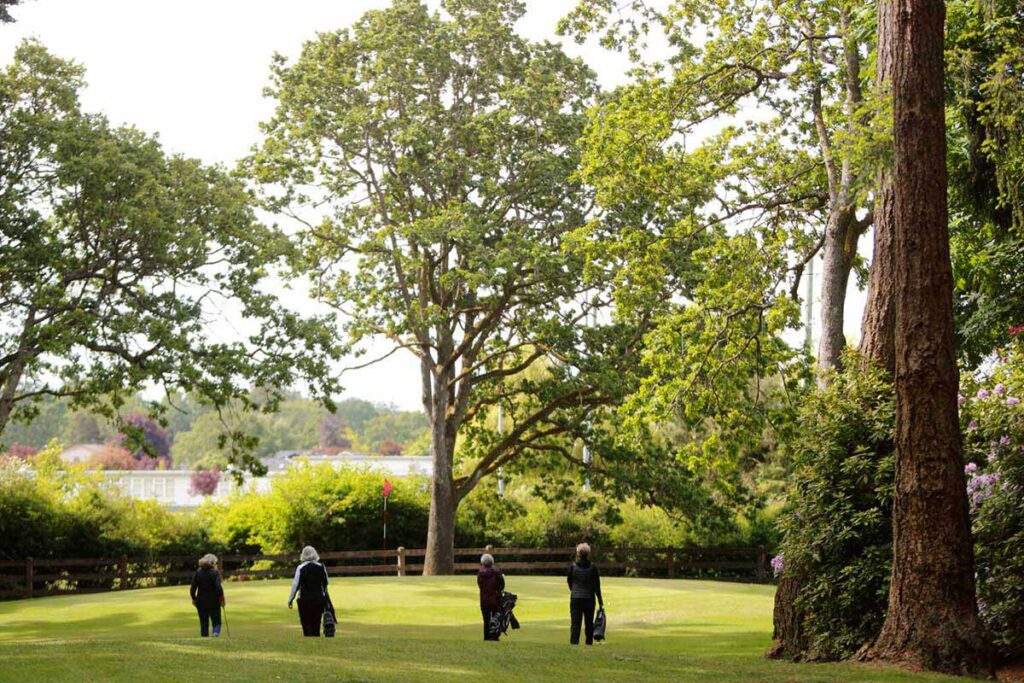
(193, 72)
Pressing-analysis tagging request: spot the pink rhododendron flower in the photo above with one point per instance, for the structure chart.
(1000, 389)
(1012, 400)
(983, 393)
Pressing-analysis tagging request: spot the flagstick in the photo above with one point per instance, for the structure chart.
(385, 522)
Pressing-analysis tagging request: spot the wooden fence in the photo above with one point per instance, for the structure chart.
(36, 577)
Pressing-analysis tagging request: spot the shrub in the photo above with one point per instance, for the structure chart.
(837, 524)
(55, 510)
(993, 428)
(318, 505)
(389, 447)
(20, 451)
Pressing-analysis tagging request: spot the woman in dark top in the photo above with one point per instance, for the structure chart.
(584, 586)
(491, 583)
(207, 595)
(311, 585)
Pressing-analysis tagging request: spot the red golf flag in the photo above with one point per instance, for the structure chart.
(387, 488)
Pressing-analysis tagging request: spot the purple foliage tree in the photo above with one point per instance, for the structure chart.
(204, 482)
(20, 451)
(332, 433)
(143, 437)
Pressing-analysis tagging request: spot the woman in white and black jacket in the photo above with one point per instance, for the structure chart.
(310, 584)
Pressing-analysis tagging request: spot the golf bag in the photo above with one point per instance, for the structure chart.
(330, 619)
(600, 623)
(503, 618)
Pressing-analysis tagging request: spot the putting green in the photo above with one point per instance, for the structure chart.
(409, 629)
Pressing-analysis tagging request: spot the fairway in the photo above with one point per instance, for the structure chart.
(409, 629)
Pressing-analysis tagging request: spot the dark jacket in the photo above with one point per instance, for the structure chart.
(491, 583)
(310, 582)
(584, 580)
(206, 590)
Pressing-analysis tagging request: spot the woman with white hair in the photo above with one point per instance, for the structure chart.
(584, 587)
(207, 595)
(310, 584)
(491, 582)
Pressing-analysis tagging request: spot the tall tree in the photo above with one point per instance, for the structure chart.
(932, 619)
(444, 149)
(786, 82)
(115, 258)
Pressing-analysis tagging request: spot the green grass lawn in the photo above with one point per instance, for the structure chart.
(409, 629)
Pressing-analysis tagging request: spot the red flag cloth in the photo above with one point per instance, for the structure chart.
(387, 488)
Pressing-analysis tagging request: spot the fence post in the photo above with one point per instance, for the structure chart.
(671, 563)
(30, 571)
(762, 566)
(401, 560)
(123, 570)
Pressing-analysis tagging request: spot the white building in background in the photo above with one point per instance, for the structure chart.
(173, 487)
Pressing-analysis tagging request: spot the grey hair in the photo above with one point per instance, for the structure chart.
(309, 554)
(487, 560)
(583, 550)
(208, 560)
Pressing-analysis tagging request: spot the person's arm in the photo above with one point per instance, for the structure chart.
(325, 578)
(569, 577)
(295, 586)
(194, 588)
(501, 582)
(597, 587)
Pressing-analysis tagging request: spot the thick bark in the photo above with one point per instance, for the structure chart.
(790, 640)
(876, 342)
(440, 551)
(932, 619)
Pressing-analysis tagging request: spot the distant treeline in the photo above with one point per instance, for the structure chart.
(192, 430)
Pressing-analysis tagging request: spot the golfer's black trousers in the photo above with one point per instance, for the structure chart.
(208, 615)
(486, 612)
(310, 614)
(581, 610)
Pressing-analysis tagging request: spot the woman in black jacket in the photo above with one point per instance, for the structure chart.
(310, 584)
(491, 583)
(584, 586)
(207, 595)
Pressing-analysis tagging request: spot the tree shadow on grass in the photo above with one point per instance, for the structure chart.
(119, 624)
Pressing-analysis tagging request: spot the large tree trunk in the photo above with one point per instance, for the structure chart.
(839, 250)
(788, 635)
(440, 551)
(876, 342)
(932, 619)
